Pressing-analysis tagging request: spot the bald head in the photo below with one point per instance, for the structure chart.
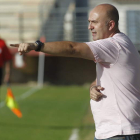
(109, 11)
(103, 21)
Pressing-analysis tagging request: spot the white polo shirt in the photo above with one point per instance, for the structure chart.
(118, 71)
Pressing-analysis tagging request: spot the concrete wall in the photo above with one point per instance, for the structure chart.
(58, 70)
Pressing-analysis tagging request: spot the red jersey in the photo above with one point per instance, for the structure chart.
(5, 54)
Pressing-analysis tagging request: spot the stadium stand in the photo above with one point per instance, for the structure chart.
(20, 20)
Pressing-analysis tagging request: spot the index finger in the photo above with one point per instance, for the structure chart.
(100, 88)
(95, 91)
(14, 45)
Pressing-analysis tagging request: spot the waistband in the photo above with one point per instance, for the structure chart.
(126, 135)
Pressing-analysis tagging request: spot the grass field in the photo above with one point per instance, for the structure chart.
(51, 113)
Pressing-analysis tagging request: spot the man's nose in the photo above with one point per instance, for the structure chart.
(90, 26)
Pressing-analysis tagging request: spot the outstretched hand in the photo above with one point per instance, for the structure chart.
(24, 47)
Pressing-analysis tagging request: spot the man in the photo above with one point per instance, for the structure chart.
(116, 101)
(5, 57)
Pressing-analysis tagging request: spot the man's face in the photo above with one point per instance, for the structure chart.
(98, 25)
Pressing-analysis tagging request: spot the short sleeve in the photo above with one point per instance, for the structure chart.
(6, 55)
(105, 51)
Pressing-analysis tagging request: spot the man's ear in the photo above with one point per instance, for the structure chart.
(111, 24)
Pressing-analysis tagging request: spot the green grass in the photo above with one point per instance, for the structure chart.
(49, 114)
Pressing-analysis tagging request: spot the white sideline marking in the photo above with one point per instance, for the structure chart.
(74, 135)
(27, 94)
(22, 96)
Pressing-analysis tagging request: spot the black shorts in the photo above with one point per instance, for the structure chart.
(0, 76)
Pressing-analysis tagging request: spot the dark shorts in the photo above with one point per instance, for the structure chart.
(0, 76)
(123, 137)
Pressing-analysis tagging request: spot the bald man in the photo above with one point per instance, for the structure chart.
(115, 100)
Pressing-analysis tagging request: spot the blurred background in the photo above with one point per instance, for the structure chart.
(60, 108)
(54, 20)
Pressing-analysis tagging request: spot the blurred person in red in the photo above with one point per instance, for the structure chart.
(5, 57)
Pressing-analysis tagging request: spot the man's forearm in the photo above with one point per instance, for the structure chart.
(58, 48)
(61, 48)
(93, 84)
